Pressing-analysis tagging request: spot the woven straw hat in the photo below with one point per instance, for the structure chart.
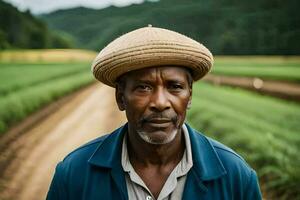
(149, 47)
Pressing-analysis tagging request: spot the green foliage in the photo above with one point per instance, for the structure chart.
(277, 68)
(261, 27)
(33, 74)
(61, 40)
(26, 88)
(262, 129)
(22, 30)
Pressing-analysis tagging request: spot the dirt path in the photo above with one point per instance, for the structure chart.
(33, 155)
(280, 89)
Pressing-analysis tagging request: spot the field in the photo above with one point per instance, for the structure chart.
(264, 130)
(33, 79)
(264, 67)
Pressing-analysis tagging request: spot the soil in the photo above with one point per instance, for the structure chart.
(281, 89)
(28, 158)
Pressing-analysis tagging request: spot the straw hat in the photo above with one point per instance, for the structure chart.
(149, 47)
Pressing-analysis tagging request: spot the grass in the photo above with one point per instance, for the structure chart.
(15, 77)
(32, 79)
(265, 67)
(17, 105)
(19, 102)
(262, 129)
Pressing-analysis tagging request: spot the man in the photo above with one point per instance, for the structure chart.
(155, 155)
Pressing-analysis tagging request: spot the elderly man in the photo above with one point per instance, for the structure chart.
(155, 155)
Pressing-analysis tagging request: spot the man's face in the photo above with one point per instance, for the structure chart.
(155, 101)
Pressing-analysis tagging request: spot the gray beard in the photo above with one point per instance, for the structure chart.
(144, 135)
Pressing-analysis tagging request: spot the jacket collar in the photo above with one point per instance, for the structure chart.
(108, 152)
(108, 155)
(206, 162)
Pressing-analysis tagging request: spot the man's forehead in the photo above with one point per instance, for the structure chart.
(169, 72)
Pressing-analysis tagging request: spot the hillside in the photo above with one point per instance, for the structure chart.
(226, 27)
(23, 30)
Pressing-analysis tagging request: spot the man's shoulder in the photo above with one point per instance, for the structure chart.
(69, 170)
(226, 167)
(226, 152)
(85, 151)
(78, 158)
(236, 170)
(230, 159)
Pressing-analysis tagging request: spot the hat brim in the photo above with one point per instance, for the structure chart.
(108, 68)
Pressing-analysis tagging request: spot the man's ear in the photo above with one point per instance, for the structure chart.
(190, 98)
(119, 95)
(189, 103)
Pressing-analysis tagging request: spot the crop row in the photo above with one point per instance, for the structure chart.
(15, 77)
(15, 106)
(263, 130)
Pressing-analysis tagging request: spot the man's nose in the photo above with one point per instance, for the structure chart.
(160, 101)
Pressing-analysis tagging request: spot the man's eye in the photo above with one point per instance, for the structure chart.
(143, 87)
(175, 87)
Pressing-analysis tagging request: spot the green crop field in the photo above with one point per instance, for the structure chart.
(32, 79)
(24, 88)
(264, 130)
(16, 77)
(265, 67)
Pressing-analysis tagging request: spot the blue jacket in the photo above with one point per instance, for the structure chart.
(94, 172)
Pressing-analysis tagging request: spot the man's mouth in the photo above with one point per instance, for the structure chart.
(159, 122)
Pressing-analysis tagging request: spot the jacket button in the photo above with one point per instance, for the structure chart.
(149, 198)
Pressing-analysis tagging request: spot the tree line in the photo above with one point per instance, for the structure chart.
(226, 27)
(23, 30)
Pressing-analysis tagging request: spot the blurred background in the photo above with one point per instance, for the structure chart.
(51, 104)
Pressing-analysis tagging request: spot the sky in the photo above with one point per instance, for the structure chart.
(46, 6)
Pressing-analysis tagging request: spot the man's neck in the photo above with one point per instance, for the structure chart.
(154, 163)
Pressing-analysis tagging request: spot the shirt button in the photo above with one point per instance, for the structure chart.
(149, 198)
